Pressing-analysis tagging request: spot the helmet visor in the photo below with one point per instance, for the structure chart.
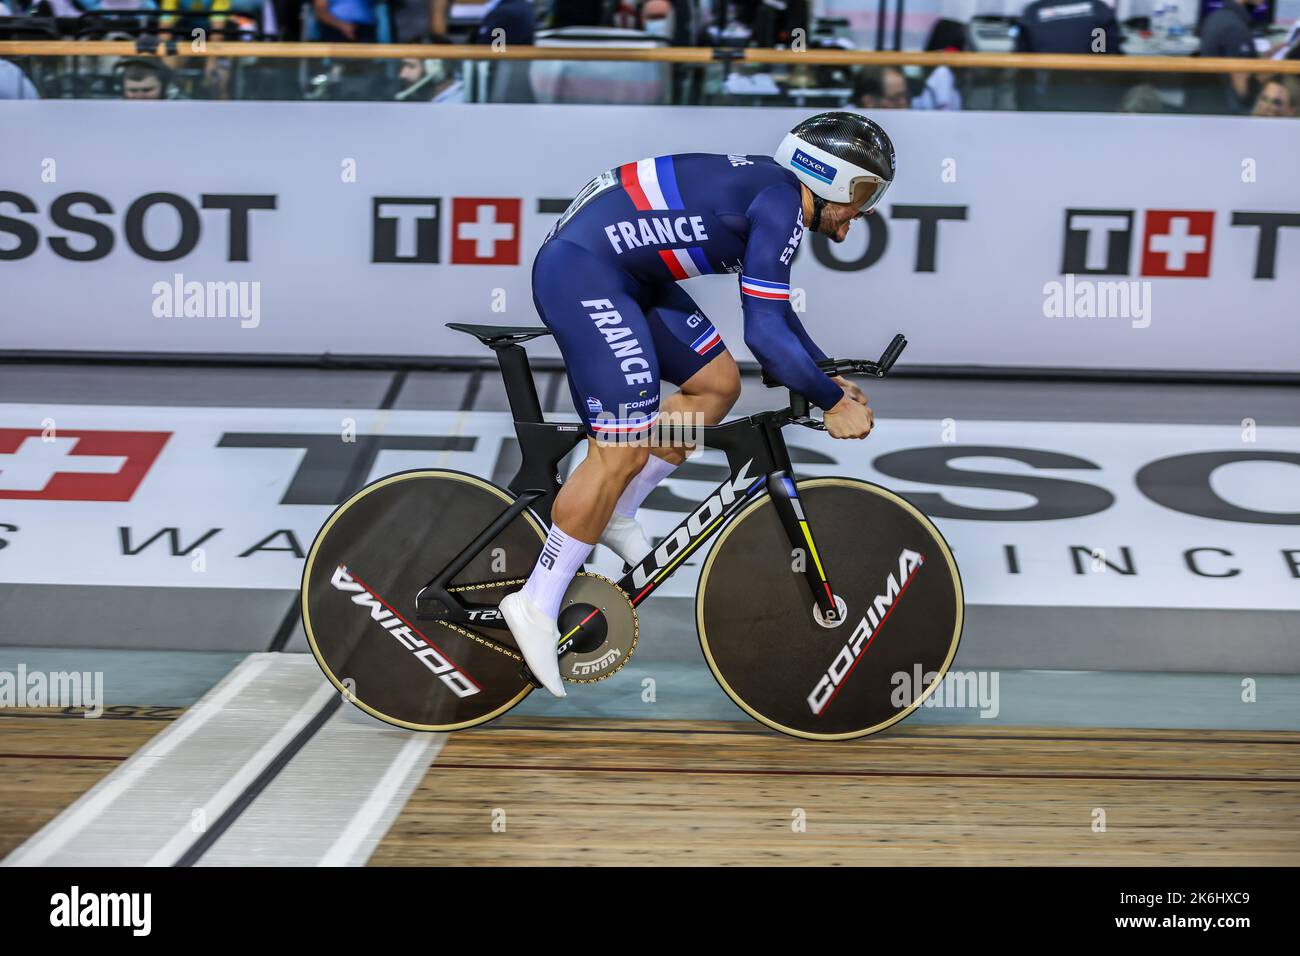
(866, 191)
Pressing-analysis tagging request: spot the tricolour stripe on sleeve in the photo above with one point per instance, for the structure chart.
(763, 289)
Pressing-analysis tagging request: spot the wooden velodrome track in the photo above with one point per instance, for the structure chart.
(588, 791)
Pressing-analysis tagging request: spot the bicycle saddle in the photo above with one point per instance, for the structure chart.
(495, 336)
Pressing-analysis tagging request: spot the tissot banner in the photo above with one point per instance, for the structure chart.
(1037, 513)
(1054, 240)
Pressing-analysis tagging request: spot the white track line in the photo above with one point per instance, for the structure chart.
(171, 851)
(369, 822)
(57, 833)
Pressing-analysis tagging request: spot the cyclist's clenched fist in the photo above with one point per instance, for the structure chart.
(849, 418)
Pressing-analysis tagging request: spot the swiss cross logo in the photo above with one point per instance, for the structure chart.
(1177, 243)
(75, 465)
(485, 231)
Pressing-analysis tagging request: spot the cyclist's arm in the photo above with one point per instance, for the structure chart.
(772, 331)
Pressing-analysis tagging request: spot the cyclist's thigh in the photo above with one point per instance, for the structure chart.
(685, 340)
(609, 353)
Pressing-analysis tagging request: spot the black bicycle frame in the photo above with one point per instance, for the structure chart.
(756, 455)
(758, 461)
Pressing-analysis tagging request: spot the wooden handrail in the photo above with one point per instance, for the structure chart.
(687, 55)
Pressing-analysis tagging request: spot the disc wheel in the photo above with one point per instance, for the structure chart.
(368, 562)
(901, 620)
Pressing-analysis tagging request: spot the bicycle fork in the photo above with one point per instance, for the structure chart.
(785, 498)
(642, 581)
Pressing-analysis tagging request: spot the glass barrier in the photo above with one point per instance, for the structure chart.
(680, 76)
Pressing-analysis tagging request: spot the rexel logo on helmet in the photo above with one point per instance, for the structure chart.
(813, 166)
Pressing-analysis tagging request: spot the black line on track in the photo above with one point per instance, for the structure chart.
(301, 739)
(290, 620)
(472, 388)
(553, 391)
(937, 774)
(955, 738)
(460, 363)
(287, 623)
(259, 783)
(62, 716)
(61, 757)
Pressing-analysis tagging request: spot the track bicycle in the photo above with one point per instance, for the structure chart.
(828, 608)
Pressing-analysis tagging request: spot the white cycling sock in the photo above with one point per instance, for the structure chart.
(642, 483)
(559, 561)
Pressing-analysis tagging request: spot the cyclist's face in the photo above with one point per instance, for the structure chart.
(838, 216)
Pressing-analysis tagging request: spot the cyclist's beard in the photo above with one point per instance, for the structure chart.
(835, 236)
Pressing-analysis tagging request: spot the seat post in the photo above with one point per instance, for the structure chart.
(520, 388)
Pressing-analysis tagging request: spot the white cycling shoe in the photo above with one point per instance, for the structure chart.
(538, 637)
(626, 538)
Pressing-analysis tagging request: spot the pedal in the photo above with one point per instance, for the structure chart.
(527, 675)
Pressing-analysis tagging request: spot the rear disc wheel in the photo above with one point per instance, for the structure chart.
(368, 562)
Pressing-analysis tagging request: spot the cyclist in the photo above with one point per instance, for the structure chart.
(605, 284)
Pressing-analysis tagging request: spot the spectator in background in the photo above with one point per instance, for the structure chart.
(430, 80)
(343, 21)
(216, 78)
(577, 13)
(882, 89)
(514, 18)
(14, 84)
(1143, 98)
(1278, 96)
(143, 80)
(1066, 26)
(656, 18)
(1227, 32)
(214, 17)
(412, 20)
(940, 91)
(113, 6)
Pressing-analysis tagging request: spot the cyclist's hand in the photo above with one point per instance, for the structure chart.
(849, 419)
(850, 390)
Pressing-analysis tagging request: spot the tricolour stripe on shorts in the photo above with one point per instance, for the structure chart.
(705, 341)
(624, 427)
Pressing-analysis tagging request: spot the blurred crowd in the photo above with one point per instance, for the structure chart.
(1044, 26)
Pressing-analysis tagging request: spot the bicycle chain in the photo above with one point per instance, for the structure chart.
(516, 657)
(478, 639)
(481, 640)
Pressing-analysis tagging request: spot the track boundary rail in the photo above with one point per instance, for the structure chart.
(699, 56)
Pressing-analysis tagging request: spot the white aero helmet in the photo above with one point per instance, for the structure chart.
(841, 157)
